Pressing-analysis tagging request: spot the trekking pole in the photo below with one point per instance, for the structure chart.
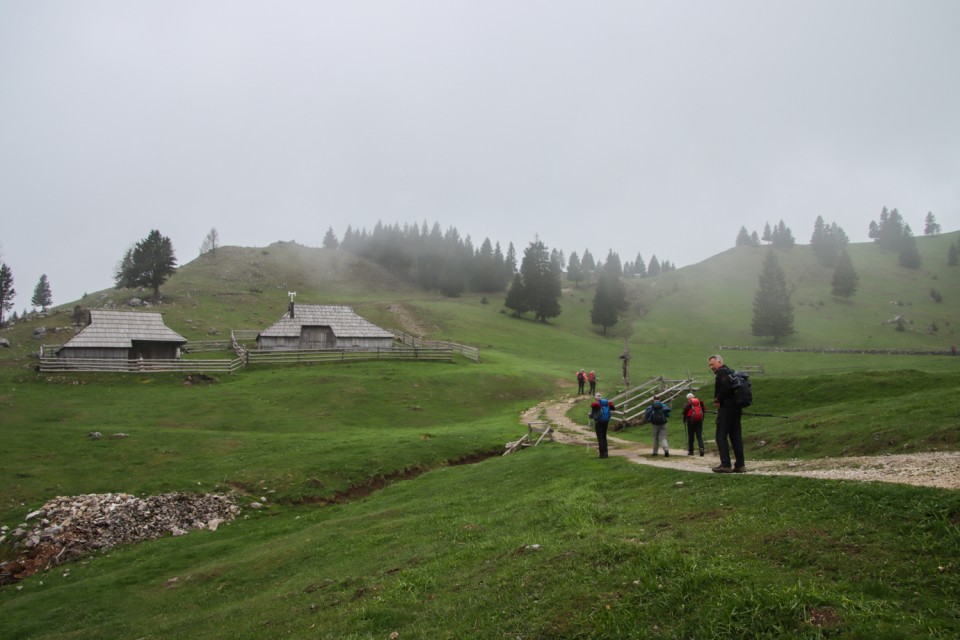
(756, 415)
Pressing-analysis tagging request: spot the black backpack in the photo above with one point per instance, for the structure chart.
(658, 416)
(742, 390)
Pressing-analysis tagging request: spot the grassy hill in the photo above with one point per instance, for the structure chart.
(547, 543)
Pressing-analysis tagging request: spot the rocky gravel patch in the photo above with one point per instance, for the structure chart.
(69, 527)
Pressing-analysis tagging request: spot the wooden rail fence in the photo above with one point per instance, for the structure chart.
(473, 353)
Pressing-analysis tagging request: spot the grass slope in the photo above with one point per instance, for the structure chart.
(547, 543)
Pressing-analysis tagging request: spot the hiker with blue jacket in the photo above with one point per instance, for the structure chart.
(600, 412)
(658, 414)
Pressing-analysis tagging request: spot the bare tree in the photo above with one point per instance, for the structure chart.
(211, 242)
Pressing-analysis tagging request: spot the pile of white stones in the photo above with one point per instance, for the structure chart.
(68, 527)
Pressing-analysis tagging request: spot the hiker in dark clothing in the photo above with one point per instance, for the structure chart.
(581, 379)
(600, 412)
(693, 413)
(729, 414)
(592, 379)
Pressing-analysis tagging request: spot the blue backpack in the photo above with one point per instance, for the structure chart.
(604, 410)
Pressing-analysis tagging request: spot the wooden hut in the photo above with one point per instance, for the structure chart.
(314, 326)
(124, 335)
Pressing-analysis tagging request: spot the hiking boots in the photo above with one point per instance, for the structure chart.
(739, 469)
(690, 453)
(666, 454)
(701, 453)
(722, 469)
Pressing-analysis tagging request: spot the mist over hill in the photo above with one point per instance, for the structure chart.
(708, 303)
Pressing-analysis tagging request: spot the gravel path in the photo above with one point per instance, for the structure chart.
(934, 469)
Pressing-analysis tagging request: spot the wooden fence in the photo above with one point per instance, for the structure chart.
(473, 353)
(54, 364)
(633, 402)
(342, 355)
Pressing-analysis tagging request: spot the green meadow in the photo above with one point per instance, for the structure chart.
(388, 510)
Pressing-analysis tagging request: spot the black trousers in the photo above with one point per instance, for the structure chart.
(694, 429)
(729, 427)
(601, 428)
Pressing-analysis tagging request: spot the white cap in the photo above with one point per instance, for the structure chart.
(690, 395)
(599, 396)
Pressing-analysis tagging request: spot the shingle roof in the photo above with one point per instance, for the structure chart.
(118, 329)
(342, 321)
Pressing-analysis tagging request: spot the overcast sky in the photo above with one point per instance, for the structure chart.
(649, 126)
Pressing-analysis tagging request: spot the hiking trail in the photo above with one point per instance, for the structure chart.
(930, 469)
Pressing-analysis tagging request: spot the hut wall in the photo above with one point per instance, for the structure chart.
(317, 337)
(278, 343)
(153, 350)
(91, 352)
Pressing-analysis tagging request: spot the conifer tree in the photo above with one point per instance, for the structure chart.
(953, 255)
(909, 254)
(654, 267)
(743, 237)
(609, 299)
(42, 296)
(845, 280)
(7, 292)
(587, 264)
(149, 263)
(772, 310)
(931, 227)
(574, 270)
(540, 284)
(516, 299)
(754, 239)
(639, 266)
(330, 239)
(767, 233)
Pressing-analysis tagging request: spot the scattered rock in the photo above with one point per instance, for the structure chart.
(117, 436)
(77, 526)
(134, 302)
(4, 343)
(39, 333)
(94, 435)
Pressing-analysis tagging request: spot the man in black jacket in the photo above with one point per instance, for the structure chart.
(729, 414)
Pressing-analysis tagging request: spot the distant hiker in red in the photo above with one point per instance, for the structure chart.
(600, 412)
(693, 418)
(581, 378)
(592, 379)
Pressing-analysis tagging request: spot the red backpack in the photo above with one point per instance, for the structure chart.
(696, 410)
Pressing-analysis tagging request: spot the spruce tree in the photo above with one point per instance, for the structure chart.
(767, 233)
(539, 280)
(845, 280)
(330, 239)
(42, 296)
(654, 268)
(931, 227)
(772, 310)
(149, 263)
(574, 270)
(909, 254)
(640, 267)
(7, 292)
(516, 299)
(743, 237)
(609, 299)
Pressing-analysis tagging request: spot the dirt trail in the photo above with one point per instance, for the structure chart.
(933, 469)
